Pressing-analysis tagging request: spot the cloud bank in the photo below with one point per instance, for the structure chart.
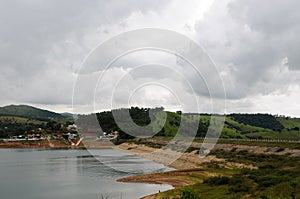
(254, 44)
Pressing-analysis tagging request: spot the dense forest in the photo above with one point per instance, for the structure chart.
(260, 120)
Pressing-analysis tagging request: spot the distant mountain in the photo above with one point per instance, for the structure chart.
(28, 112)
(67, 114)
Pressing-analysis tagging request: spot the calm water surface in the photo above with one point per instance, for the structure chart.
(73, 174)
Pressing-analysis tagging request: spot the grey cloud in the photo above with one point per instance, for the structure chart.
(277, 21)
(273, 17)
(34, 36)
(253, 37)
(42, 43)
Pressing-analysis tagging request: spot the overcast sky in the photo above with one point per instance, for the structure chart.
(254, 44)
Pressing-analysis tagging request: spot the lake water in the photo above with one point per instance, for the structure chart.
(73, 174)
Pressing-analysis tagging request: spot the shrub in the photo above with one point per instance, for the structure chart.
(219, 180)
(280, 150)
(188, 193)
(239, 183)
(268, 181)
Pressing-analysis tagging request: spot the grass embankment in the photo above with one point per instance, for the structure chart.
(270, 176)
(179, 178)
(276, 177)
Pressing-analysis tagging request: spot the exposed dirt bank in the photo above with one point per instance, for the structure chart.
(174, 178)
(176, 159)
(191, 165)
(34, 144)
(56, 144)
(258, 149)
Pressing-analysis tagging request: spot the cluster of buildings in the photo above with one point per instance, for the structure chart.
(71, 133)
(108, 136)
(40, 134)
(29, 137)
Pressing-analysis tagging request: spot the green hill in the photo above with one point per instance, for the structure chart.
(236, 126)
(65, 114)
(28, 112)
(21, 119)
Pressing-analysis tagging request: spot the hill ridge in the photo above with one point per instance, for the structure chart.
(28, 111)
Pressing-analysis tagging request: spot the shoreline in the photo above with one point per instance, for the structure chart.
(190, 167)
(54, 144)
(174, 159)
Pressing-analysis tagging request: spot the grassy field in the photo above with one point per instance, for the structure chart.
(289, 122)
(234, 129)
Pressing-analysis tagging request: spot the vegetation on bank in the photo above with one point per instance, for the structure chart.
(277, 177)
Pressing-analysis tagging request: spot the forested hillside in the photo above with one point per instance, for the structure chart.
(260, 120)
(19, 119)
(237, 126)
(22, 119)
